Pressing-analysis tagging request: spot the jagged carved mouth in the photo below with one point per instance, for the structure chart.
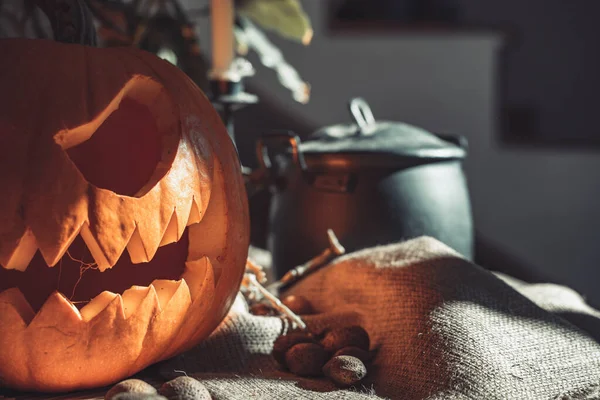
(77, 276)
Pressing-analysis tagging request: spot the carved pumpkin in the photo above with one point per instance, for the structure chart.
(124, 224)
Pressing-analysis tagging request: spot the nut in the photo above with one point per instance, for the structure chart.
(184, 388)
(284, 343)
(298, 304)
(362, 355)
(351, 336)
(345, 371)
(130, 386)
(306, 359)
(137, 396)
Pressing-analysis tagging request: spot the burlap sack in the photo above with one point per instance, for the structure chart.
(443, 327)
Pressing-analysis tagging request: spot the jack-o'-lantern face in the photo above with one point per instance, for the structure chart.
(123, 219)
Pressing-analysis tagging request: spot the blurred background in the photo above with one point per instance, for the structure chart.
(519, 79)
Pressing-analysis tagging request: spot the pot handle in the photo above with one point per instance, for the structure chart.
(362, 114)
(262, 149)
(264, 176)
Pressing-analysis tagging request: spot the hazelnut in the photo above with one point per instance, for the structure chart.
(137, 396)
(130, 386)
(184, 388)
(345, 371)
(298, 305)
(284, 343)
(351, 336)
(362, 355)
(306, 359)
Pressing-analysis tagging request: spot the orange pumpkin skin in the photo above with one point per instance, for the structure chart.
(114, 153)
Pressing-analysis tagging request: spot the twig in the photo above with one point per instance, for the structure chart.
(250, 280)
(335, 249)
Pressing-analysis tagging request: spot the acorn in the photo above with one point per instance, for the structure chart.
(362, 355)
(306, 359)
(184, 388)
(298, 305)
(137, 386)
(284, 343)
(345, 371)
(351, 336)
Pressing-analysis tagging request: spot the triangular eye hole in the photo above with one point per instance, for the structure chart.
(131, 145)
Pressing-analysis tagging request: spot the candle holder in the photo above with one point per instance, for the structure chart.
(228, 95)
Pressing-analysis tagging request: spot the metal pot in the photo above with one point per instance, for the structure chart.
(371, 182)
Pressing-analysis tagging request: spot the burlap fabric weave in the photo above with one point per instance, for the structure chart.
(443, 329)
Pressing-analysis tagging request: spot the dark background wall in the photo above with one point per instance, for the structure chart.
(551, 81)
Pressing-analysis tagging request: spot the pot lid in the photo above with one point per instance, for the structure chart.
(375, 143)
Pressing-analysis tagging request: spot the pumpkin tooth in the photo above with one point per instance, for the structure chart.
(178, 223)
(195, 215)
(20, 257)
(94, 248)
(166, 289)
(111, 232)
(113, 313)
(182, 212)
(14, 305)
(171, 234)
(197, 275)
(97, 305)
(144, 242)
(135, 296)
(57, 309)
(136, 249)
(53, 254)
(172, 317)
(15, 315)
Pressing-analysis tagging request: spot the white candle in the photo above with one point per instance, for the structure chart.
(222, 36)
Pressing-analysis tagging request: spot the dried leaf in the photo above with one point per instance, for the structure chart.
(286, 17)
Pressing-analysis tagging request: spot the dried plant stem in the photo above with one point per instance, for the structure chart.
(275, 302)
(334, 250)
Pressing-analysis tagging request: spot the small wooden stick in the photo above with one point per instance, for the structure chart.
(275, 302)
(257, 270)
(335, 249)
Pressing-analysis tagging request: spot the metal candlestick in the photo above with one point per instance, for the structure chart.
(228, 94)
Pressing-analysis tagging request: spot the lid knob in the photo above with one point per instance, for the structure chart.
(362, 114)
